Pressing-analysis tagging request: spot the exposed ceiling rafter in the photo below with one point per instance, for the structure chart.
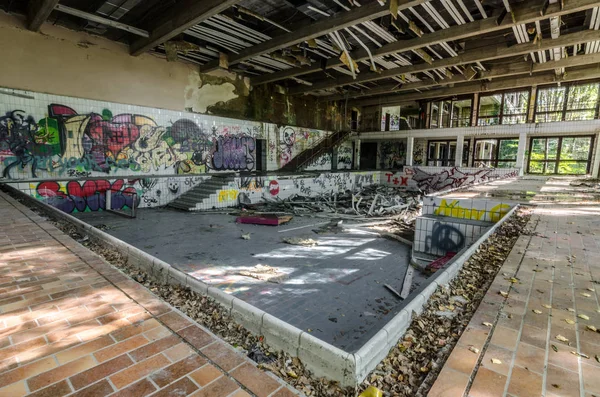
(473, 56)
(587, 73)
(499, 71)
(182, 16)
(38, 13)
(528, 12)
(322, 27)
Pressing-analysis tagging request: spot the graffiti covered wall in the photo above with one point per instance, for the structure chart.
(47, 136)
(391, 154)
(90, 195)
(436, 179)
(254, 189)
(448, 225)
(286, 142)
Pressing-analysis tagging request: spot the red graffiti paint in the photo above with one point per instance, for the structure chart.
(274, 188)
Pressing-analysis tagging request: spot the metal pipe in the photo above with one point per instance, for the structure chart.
(365, 47)
(101, 20)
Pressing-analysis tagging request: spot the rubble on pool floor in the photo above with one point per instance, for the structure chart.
(409, 369)
(369, 202)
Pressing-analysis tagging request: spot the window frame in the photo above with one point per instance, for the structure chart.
(437, 102)
(445, 161)
(501, 114)
(558, 153)
(493, 162)
(563, 112)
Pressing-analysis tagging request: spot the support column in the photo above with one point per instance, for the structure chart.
(475, 109)
(596, 163)
(521, 153)
(460, 142)
(531, 109)
(410, 144)
(357, 154)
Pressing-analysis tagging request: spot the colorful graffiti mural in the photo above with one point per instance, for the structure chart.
(68, 143)
(89, 196)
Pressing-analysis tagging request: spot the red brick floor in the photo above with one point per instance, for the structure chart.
(70, 324)
(556, 295)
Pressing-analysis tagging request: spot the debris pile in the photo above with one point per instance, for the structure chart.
(371, 201)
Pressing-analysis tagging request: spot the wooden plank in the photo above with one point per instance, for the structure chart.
(482, 55)
(494, 72)
(322, 27)
(528, 12)
(38, 13)
(182, 16)
(589, 72)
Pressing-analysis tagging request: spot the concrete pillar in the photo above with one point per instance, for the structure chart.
(530, 113)
(410, 144)
(596, 163)
(521, 153)
(460, 141)
(475, 111)
(357, 154)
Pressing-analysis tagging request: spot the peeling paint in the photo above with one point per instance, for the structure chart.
(200, 95)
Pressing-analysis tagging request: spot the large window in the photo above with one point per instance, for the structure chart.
(443, 153)
(558, 155)
(450, 113)
(567, 103)
(503, 108)
(499, 153)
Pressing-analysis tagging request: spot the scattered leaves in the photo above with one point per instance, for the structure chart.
(547, 306)
(568, 321)
(496, 361)
(591, 289)
(585, 294)
(591, 328)
(555, 348)
(537, 311)
(579, 354)
(583, 316)
(570, 309)
(474, 349)
(487, 324)
(562, 338)
(504, 294)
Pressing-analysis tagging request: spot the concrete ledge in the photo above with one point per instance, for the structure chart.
(327, 360)
(250, 316)
(281, 335)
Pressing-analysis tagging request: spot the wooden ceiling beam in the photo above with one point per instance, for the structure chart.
(181, 17)
(473, 56)
(38, 12)
(528, 12)
(512, 69)
(587, 73)
(322, 27)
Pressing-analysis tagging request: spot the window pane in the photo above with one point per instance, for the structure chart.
(550, 168)
(583, 96)
(435, 114)
(550, 99)
(572, 168)
(536, 167)
(490, 105)
(544, 149)
(507, 164)
(461, 113)
(580, 115)
(548, 117)
(514, 119)
(516, 102)
(488, 121)
(485, 149)
(575, 148)
(508, 149)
